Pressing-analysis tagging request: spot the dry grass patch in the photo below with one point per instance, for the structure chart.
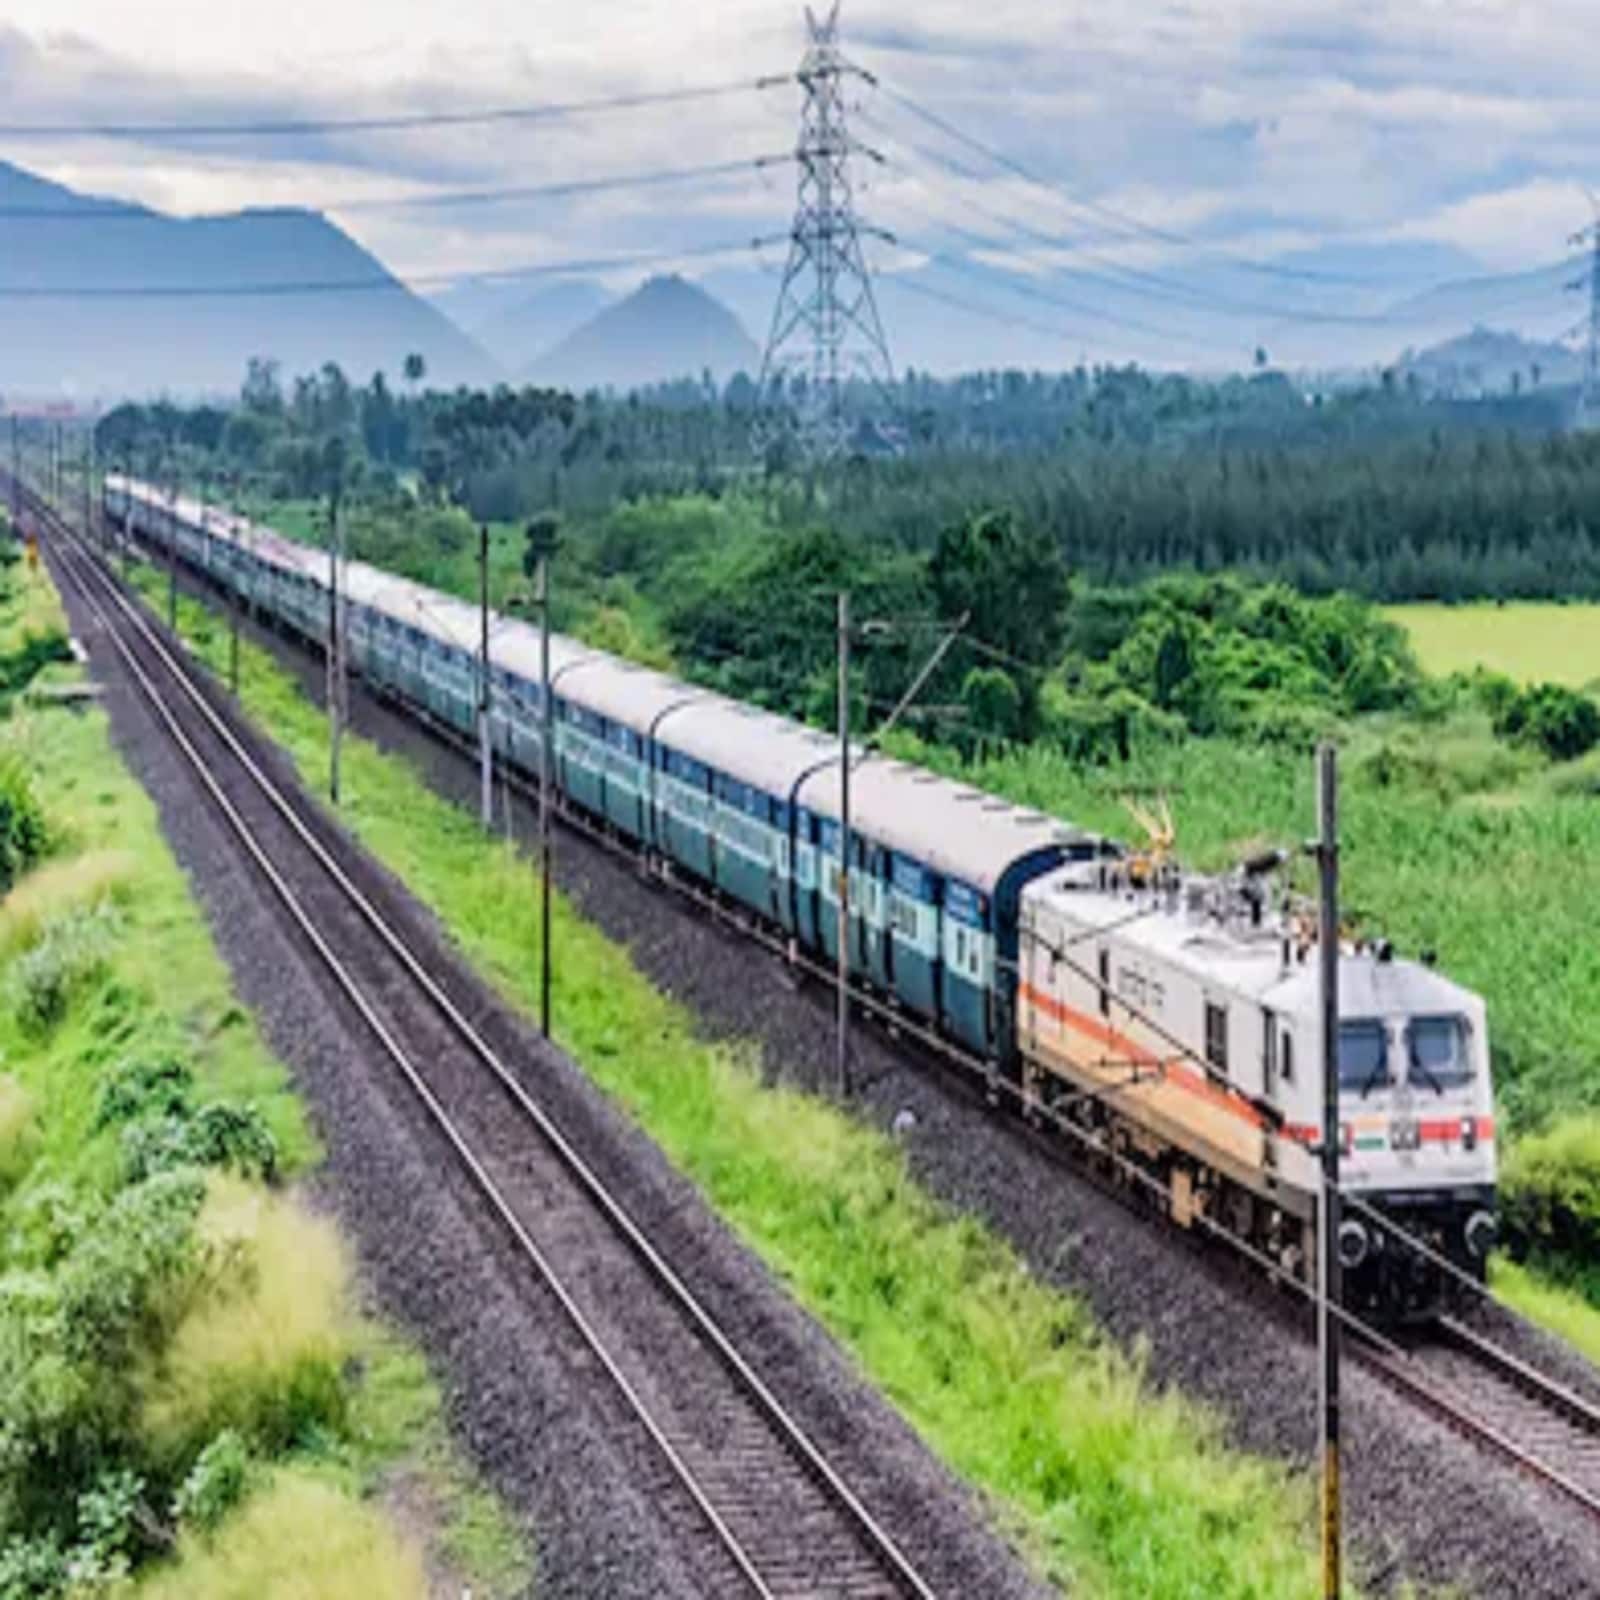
(298, 1539)
(263, 1351)
(59, 889)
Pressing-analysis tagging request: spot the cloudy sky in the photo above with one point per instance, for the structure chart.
(1360, 149)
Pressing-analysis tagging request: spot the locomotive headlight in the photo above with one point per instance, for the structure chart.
(1354, 1244)
(1480, 1233)
(1469, 1133)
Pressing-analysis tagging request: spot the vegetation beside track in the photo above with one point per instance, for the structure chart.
(182, 1354)
(1114, 1488)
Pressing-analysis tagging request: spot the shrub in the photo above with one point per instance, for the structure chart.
(1550, 1192)
(1559, 721)
(71, 1340)
(228, 1137)
(31, 1569)
(215, 1484)
(70, 954)
(23, 835)
(137, 1087)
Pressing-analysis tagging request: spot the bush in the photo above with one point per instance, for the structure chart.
(215, 1483)
(228, 1137)
(136, 1088)
(31, 1569)
(1559, 721)
(71, 1341)
(1550, 1192)
(70, 955)
(23, 835)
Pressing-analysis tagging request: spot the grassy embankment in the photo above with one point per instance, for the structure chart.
(1530, 641)
(182, 1352)
(1115, 1489)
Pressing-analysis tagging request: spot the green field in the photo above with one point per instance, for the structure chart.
(1530, 641)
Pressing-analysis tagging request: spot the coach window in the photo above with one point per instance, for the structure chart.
(1286, 1056)
(1217, 1036)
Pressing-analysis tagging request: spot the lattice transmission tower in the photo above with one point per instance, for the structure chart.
(826, 335)
(1589, 407)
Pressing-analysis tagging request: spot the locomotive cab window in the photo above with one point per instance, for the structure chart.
(1436, 1048)
(1217, 1036)
(1363, 1057)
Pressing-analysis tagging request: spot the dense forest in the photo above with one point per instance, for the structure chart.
(1388, 492)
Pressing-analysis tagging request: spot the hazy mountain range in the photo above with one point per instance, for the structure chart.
(189, 325)
(164, 303)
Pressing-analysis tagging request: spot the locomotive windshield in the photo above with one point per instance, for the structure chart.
(1363, 1057)
(1438, 1051)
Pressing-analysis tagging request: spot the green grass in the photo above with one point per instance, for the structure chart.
(1531, 641)
(1116, 1489)
(253, 1355)
(1564, 1311)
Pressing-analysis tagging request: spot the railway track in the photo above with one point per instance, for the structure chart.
(1542, 1427)
(770, 1513)
(1486, 1394)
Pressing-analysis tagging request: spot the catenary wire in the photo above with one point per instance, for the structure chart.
(400, 122)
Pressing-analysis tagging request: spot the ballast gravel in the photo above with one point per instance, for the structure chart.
(1422, 1503)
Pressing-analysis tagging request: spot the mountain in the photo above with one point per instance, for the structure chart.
(1489, 362)
(519, 333)
(167, 304)
(665, 329)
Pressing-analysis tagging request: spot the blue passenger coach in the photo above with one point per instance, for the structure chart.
(737, 798)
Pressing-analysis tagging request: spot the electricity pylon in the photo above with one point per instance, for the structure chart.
(826, 333)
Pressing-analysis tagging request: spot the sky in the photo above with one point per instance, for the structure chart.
(1359, 150)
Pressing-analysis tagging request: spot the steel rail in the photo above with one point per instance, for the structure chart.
(1583, 1414)
(881, 1542)
(1403, 1372)
(1384, 1356)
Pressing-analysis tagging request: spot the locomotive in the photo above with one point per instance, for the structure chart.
(1173, 1018)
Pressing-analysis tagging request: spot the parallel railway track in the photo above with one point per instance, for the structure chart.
(1482, 1392)
(775, 1514)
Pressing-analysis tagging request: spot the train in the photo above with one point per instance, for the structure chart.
(1170, 1019)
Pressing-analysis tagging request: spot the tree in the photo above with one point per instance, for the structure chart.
(1009, 582)
(415, 370)
(263, 386)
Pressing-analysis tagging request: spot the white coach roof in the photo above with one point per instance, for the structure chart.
(957, 830)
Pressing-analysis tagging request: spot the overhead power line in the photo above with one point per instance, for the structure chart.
(440, 199)
(1142, 282)
(399, 123)
(1122, 220)
(378, 284)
